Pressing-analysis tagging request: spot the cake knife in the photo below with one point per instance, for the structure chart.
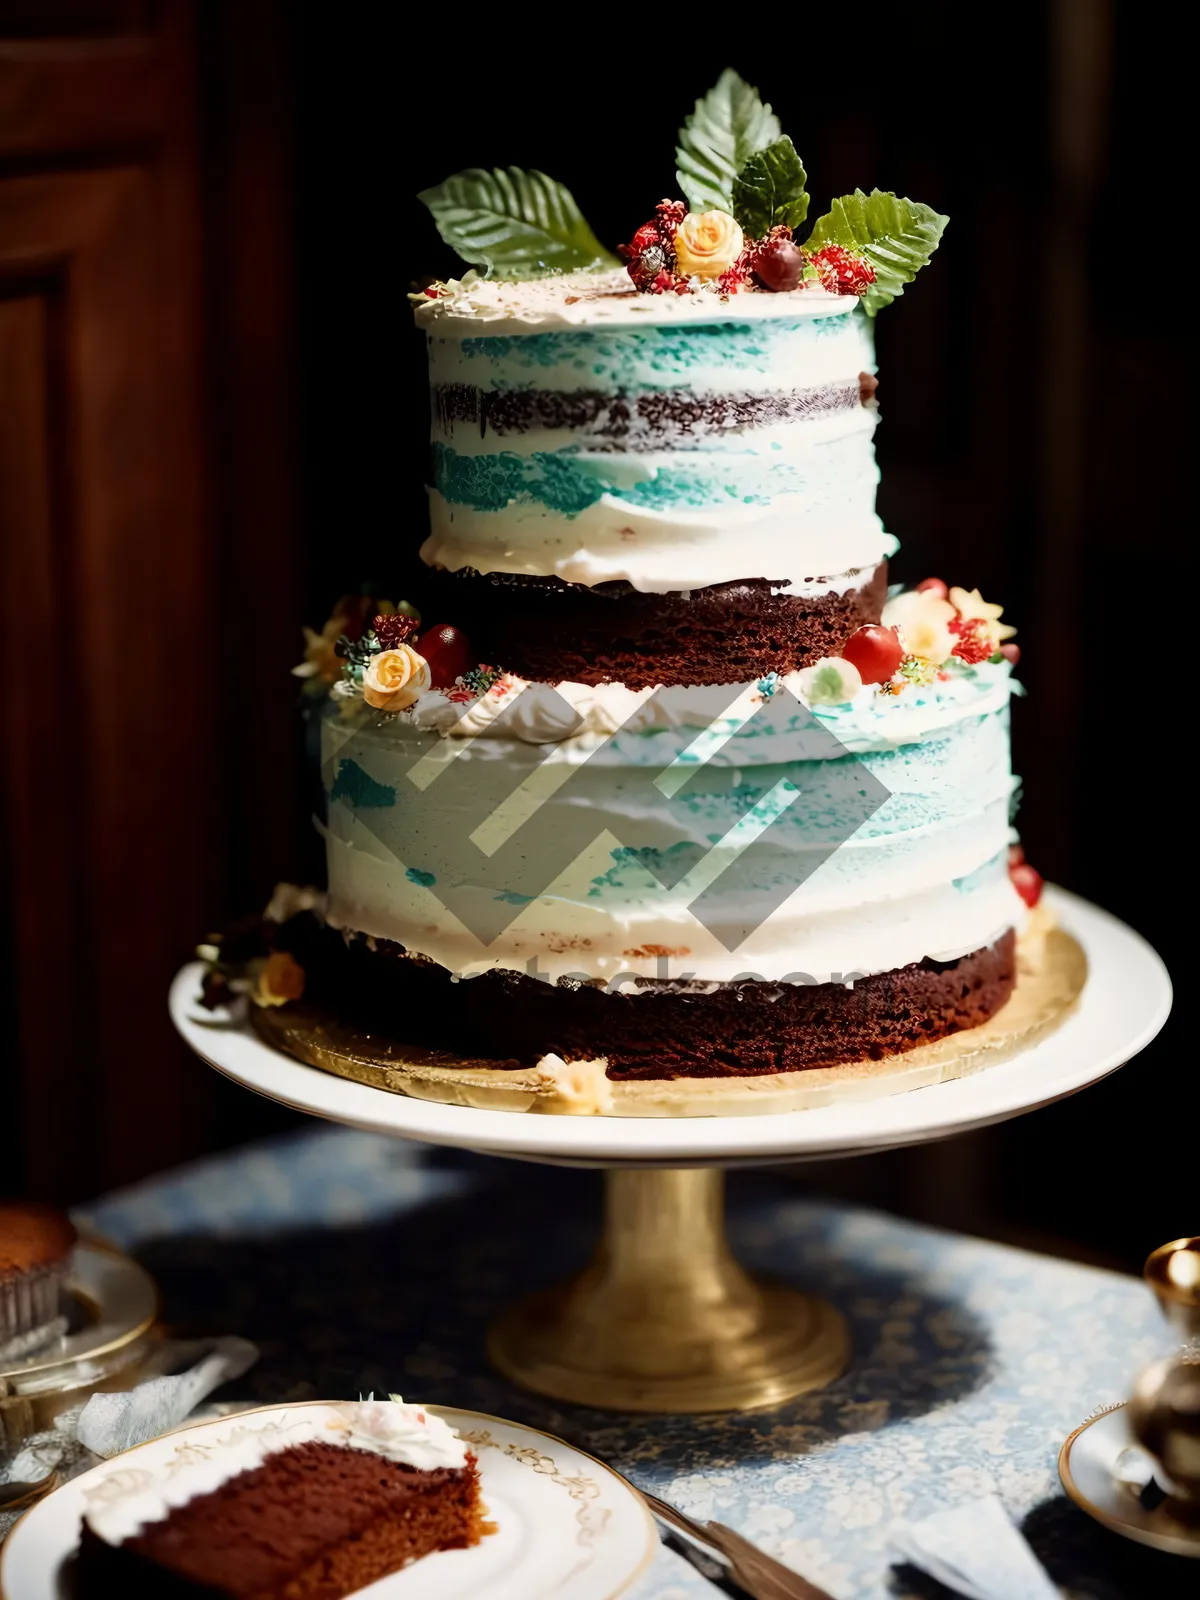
(759, 1574)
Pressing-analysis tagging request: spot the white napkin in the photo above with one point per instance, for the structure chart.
(975, 1550)
(110, 1423)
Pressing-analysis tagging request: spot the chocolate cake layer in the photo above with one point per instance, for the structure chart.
(669, 1029)
(317, 1521)
(634, 422)
(551, 631)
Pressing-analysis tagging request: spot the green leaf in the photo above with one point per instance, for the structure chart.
(770, 189)
(727, 127)
(896, 236)
(518, 224)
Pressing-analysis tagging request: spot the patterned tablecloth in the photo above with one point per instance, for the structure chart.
(363, 1263)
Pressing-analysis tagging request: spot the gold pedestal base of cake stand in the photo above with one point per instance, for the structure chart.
(664, 1319)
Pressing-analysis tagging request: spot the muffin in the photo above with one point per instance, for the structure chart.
(35, 1253)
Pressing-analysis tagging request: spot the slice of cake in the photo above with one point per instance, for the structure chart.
(317, 1502)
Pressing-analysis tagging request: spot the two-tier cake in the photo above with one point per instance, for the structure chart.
(663, 781)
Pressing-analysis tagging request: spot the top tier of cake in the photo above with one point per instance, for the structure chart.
(586, 433)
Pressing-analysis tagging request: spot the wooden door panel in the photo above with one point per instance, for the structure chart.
(107, 602)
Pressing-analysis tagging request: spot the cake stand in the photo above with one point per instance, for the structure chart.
(664, 1319)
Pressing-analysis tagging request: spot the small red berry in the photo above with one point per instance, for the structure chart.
(1011, 652)
(448, 652)
(669, 214)
(875, 650)
(1027, 881)
(778, 265)
(935, 587)
(843, 272)
(973, 643)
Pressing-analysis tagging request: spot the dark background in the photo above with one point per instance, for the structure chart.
(214, 424)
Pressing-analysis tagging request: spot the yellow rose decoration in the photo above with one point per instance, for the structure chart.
(707, 244)
(280, 980)
(395, 679)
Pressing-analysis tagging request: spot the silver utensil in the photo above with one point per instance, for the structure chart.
(19, 1496)
(710, 1567)
(759, 1574)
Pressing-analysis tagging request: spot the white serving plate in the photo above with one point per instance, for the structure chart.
(1124, 1004)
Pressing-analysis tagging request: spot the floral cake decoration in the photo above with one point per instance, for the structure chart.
(740, 229)
(376, 652)
(925, 636)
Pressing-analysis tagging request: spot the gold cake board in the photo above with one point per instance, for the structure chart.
(1053, 969)
(664, 1319)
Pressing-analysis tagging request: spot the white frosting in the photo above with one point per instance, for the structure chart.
(125, 1501)
(585, 299)
(537, 714)
(563, 935)
(659, 552)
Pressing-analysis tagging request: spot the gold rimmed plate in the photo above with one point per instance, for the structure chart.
(566, 1525)
(1094, 1465)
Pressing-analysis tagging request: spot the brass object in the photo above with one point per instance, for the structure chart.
(1164, 1418)
(1053, 971)
(1164, 1413)
(664, 1319)
(1173, 1272)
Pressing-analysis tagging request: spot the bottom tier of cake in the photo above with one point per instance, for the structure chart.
(648, 1030)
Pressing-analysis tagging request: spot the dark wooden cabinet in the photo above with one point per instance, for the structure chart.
(133, 395)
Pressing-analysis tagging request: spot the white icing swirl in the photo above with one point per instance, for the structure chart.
(126, 1500)
(556, 713)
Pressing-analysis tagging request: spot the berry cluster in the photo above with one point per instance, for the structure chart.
(972, 642)
(649, 256)
(775, 263)
(393, 631)
(841, 271)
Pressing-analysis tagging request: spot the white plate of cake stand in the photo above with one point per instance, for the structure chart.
(564, 1523)
(664, 1319)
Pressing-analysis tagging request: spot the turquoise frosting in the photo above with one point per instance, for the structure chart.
(954, 779)
(660, 355)
(358, 788)
(567, 481)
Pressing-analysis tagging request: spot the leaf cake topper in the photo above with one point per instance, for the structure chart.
(747, 200)
(518, 224)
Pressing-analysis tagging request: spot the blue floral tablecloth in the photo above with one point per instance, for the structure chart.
(359, 1262)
